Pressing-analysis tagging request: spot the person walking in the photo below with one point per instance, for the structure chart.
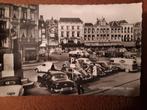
(79, 85)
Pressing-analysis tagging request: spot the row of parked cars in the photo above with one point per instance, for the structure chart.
(63, 78)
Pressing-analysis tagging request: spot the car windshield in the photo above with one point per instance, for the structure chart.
(59, 77)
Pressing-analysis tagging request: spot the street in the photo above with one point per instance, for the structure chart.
(121, 84)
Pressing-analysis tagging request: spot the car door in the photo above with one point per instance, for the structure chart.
(43, 67)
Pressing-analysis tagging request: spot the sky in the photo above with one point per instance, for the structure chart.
(89, 13)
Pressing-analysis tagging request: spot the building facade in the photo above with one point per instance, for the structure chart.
(52, 33)
(70, 31)
(20, 23)
(114, 33)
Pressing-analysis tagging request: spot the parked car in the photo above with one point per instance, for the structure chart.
(45, 67)
(11, 86)
(57, 82)
(105, 67)
(73, 74)
(76, 53)
(110, 67)
(84, 60)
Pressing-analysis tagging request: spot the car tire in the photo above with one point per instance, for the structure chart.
(37, 70)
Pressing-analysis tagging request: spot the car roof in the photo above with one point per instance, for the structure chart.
(83, 59)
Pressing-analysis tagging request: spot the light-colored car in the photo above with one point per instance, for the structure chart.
(76, 52)
(85, 60)
(45, 67)
(11, 86)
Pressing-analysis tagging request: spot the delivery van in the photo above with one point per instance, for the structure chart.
(129, 65)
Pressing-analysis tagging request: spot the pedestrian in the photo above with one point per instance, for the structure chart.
(79, 85)
(94, 71)
(63, 68)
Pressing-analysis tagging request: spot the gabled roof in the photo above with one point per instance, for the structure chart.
(75, 20)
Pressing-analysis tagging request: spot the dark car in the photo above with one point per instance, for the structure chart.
(105, 68)
(57, 82)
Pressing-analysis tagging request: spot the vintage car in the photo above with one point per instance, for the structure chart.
(84, 60)
(11, 86)
(105, 66)
(46, 67)
(57, 82)
(73, 74)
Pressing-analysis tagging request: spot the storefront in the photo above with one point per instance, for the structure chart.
(29, 53)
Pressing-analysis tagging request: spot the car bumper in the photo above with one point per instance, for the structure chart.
(63, 89)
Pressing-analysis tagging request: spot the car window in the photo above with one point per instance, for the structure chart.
(43, 64)
(59, 76)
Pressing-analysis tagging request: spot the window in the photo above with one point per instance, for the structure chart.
(78, 27)
(67, 33)
(67, 27)
(78, 34)
(2, 12)
(92, 37)
(85, 37)
(62, 34)
(73, 33)
(125, 30)
(131, 29)
(92, 30)
(128, 29)
(88, 37)
(89, 30)
(72, 27)
(85, 29)
(62, 27)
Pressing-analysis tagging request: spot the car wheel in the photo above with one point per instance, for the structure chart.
(37, 70)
